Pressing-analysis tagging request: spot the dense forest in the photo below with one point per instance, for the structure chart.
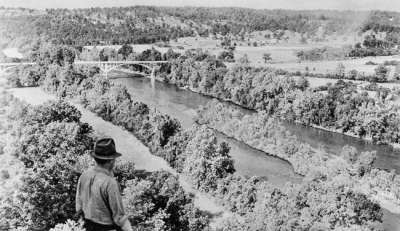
(149, 24)
(195, 152)
(342, 107)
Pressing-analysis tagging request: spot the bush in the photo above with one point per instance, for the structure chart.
(51, 142)
(371, 63)
(4, 174)
(158, 202)
(70, 225)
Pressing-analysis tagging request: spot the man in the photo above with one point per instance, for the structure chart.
(98, 196)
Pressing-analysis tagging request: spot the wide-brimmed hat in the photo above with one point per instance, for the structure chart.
(105, 149)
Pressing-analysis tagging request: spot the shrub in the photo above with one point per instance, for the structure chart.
(158, 202)
(370, 63)
(70, 225)
(4, 174)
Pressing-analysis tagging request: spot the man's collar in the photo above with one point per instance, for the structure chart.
(100, 169)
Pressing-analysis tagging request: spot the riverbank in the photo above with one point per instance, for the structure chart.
(127, 73)
(133, 150)
(158, 96)
(394, 145)
(376, 184)
(266, 153)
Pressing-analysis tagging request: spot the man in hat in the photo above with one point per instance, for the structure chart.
(98, 195)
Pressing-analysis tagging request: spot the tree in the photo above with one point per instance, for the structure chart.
(396, 76)
(303, 40)
(244, 60)
(206, 161)
(381, 73)
(340, 70)
(302, 83)
(365, 162)
(227, 56)
(50, 143)
(125, 50)
(267, 57)
(349, 153)
(158, 202)
(353, 74)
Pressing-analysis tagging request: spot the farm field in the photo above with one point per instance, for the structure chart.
(282, 53)
(316, 82)
(330, 66)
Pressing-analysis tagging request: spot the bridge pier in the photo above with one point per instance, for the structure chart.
(152, 75)
(107, 67)
(2, 69)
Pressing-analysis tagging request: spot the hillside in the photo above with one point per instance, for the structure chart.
(149, 24)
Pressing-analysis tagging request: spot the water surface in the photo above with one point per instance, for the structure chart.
(182, 104)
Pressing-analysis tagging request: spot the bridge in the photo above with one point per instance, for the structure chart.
(7, 66)
(105, 66)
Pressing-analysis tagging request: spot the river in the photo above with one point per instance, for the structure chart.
(182, 104)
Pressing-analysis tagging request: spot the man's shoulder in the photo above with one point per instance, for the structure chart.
(99, 173)
(88, 172)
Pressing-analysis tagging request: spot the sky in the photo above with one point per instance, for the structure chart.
(391, 5)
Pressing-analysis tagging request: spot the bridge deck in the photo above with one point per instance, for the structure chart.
(15, 64)
(118, 62)
(91, 62)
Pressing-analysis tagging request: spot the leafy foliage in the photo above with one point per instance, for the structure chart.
(206, 162)
(159, 203)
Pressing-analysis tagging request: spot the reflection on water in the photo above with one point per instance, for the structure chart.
(388, 157)
(250, 162)
(182, 104)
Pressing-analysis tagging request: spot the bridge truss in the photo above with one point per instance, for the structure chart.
(7, 66)
(105, 66)
(112, 65)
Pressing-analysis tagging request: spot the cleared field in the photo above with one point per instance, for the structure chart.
(330, 66)
(282, 53)
(316, 82)
(283, 58)
(279, 52)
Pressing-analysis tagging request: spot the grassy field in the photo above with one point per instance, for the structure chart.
(282, 53)
(330, 66)
(315, 82)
